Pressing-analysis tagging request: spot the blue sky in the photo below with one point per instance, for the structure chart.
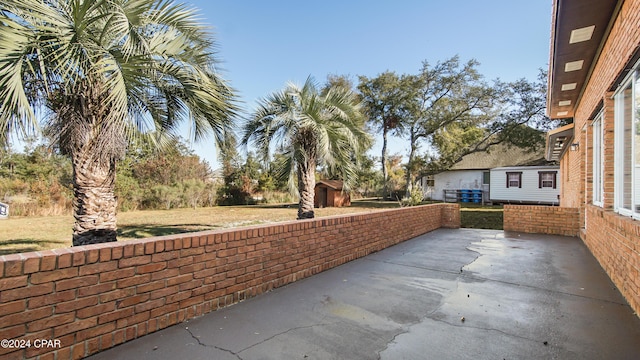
(265, 44)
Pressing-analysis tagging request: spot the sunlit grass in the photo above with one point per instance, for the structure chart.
(23, 234)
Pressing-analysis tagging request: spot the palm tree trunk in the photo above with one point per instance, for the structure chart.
(306, 189)
(95, 202)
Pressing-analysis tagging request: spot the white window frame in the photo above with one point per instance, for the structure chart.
(598, 161)
(630, 82)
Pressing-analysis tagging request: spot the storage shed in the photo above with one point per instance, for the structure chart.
(329, 193)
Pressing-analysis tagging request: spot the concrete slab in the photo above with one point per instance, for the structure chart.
(449, 294)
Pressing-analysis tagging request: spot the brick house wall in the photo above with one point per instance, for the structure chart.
(94, 297)
(613, 239)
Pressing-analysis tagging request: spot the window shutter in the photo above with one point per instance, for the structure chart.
(539, 180)
(520, 180)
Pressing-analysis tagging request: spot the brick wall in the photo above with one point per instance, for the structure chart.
(94, 297)
(542, 219)
(614, 240)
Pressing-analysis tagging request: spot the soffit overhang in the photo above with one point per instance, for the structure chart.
(578, 31)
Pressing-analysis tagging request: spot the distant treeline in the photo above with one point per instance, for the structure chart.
(38, 181)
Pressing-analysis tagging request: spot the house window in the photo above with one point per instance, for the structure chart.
(597, 160)
(627, 143)
(431, 181)
(547, 179)
(486, 177)
(514, 179)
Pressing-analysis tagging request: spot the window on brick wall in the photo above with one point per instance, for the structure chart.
(597, 160)
(627, 146)
(547, 179)
(514, 179)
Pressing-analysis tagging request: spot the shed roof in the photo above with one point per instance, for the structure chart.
(499, 156)
(334, 184)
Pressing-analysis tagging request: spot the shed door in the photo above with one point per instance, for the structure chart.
(322, 197)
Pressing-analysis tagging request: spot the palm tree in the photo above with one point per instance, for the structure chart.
(311, 128)
(106, 72)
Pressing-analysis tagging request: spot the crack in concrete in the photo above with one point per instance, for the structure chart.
(481, 328)
(211, 346)
(282, 333)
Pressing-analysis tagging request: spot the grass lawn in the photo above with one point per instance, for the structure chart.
(23, 234)
(477, 216)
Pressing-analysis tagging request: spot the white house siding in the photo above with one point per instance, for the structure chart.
(455, 180)
(529, 192)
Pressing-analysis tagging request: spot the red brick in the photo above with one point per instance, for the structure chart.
(105, 254)
(76, 282)
(13, 282)
(116, 295)
(149, 268)
(78, 258)
(138, 249)
(31, 263)
(44, 300)
(164, 274)
(155, 285)
(132, 300)
(179, 279)
(191, 251)
(117, 274)
(26, 316)
(191, 301)
(96, 289)
(48, 261)
(95, 331)
(75, 326)
(92, 346)
(134, 280)
(78, 351)
(148, 305)
(178, 296)
(117, 253)
(76, 304)
(98, 268)
(164, 292)
(12, 265)
(96, 310)
(149, 248)
(115, 315)
(166, 309)
(29, 291)
(169, 255)
(50, 322)
(134, 261)
(64, 258)
(12, 307)
(132, 320)
(92, 256)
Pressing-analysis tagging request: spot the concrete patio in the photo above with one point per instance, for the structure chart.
(448, 294)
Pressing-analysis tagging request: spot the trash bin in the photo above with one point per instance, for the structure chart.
(477, 196)
(465, 195)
